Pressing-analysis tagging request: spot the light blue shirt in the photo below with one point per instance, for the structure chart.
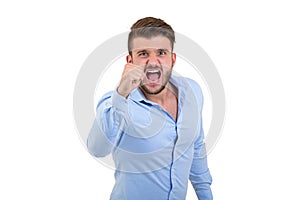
(154, 155)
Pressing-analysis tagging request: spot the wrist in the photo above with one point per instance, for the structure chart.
(122, 93)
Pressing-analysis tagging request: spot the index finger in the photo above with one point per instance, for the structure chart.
(131, 66)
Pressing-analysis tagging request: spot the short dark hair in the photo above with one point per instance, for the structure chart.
(150, 27)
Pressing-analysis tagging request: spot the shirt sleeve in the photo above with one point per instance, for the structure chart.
(200, 176)
(107, 127)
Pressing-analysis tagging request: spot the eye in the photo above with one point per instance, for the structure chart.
(142, 54)
(162, 52)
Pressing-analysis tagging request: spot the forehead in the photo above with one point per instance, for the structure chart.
(158, 42)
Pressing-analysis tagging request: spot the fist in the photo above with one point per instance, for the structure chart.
(131, 78)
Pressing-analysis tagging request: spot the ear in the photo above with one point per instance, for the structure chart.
(173, 59)
(128, 59)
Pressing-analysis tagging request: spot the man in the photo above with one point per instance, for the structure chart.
(152, 122)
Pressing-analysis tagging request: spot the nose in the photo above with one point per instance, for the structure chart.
(153, 60)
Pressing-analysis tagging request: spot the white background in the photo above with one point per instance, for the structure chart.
(255, 46)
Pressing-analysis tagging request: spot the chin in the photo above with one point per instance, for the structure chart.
(152, 90)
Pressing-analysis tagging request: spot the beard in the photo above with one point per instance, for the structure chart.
(145, 89)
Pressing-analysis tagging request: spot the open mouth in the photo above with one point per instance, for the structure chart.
(153, 75)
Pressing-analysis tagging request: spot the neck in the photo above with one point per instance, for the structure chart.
(164, 95)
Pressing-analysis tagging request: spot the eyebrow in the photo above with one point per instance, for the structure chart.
(163, 49)
(141, 51)
(159, 49)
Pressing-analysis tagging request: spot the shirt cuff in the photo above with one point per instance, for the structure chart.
(119, 102)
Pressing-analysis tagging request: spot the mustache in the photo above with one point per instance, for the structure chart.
(151, 67)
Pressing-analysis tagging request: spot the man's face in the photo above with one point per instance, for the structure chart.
(155, 54)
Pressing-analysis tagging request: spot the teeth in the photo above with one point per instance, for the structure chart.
(153, 71)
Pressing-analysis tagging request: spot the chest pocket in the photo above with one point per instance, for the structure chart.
(139, 115)
(144, 120)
